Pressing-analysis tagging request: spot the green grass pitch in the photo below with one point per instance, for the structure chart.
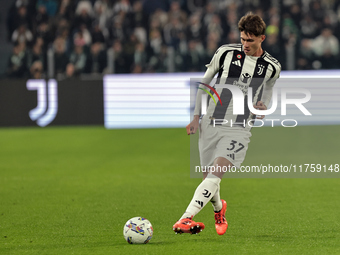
(69, 190)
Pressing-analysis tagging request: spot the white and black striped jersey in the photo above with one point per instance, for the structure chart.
(235, 68)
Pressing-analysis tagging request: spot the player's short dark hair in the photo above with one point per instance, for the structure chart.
(252, 24)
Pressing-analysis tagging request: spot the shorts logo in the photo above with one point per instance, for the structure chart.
(232, 156)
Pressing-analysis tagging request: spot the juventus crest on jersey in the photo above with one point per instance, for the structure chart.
(236, 68)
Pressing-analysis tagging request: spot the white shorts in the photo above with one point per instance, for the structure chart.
(221, 141)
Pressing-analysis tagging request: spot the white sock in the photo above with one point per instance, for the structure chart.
(216, 200)
(204, 192)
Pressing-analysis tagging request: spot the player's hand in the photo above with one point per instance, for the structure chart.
(193, 126)
(260, 106)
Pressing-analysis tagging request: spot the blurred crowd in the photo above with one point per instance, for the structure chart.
(65, 38)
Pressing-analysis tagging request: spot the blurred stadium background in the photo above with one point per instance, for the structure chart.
(69, 190)
(74, 44)
(67, 38)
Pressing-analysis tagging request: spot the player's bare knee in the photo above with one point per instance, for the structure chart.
(221, 161)
(221, 166)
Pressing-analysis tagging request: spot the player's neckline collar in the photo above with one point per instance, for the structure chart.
(263, 51)
(261, 56)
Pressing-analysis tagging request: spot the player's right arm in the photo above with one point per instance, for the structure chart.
(212, 69)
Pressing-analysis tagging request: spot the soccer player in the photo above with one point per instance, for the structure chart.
(224, 137)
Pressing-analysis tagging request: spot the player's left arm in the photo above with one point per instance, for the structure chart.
(267, 93)
(260, 106)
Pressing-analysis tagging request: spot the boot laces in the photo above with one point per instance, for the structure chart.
(219, 218)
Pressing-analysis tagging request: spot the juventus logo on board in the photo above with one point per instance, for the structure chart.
(261, 68)
(47, 101)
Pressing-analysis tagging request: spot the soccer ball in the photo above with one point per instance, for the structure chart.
(137, 230)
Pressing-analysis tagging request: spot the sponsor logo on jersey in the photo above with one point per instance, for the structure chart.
(245, 77)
